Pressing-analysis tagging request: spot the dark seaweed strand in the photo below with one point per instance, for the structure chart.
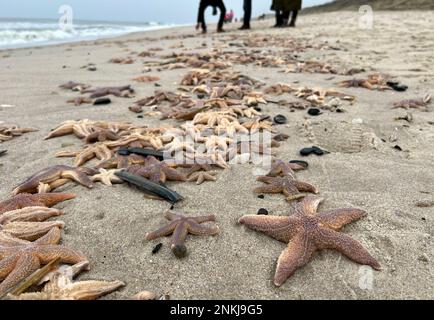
(150, 186)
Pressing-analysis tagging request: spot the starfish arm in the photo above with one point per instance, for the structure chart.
(47, 253)
(78, 176)
(29, 214)
(162, 232)
(202, 219)
(298, 252)
(277, 227)
(47, 175)
(266, 179)
(173, 174)
(352, 249)
(198, 230)
(25, 266)
(89, 290)
(50, 199)
(305, 187)
(179, 235)
(309, 205)
(172, 215)
(7, 265)
(60, 131)
(337, 219)
(268, 189)
(31, 230)
(52, 237)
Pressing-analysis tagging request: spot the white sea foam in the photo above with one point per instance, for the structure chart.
(33, 33)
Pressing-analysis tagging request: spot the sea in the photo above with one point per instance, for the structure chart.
(16, 33)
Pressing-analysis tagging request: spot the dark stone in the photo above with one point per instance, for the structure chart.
(101, 101)
(314, 111)
(157, 248)
(281, 137)
(180, 251)
(263, 211)
(300, 162)
(280, 119)
(261, 196)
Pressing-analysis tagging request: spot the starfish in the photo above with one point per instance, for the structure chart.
(214, 118)
(122, 60)
(180, 226)
(281, 168)
(74, 86)
(419, 103)
(157, 171)
(120, 161)
(177, 145)
(80, 100)
(364, 83)
(246, 112)
(256, 125)
(23, 200)
(29, 230)
(144, 140)
(107, 177)
(202, 176)
(50, 175)
(306, 232)
(231, 128)
(105, 91)
(81, 128)
(8, 133)
(217, 143)
(60, 286)
(147, 79)
(98, 150)
(287, 185)
(21, 260)
(102, 135)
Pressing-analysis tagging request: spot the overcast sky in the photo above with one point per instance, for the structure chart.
(167, 11)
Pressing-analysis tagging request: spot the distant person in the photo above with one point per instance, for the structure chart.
(229, 16)
(201, 16)
(247, 6)
(285, 8)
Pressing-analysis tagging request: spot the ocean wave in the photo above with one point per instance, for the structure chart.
(13, 34)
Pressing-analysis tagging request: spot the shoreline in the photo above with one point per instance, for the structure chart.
(108, 224)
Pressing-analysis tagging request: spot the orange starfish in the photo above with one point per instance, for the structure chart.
(306, 232)
(23, 200)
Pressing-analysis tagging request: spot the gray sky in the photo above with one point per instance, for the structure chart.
(168, 11)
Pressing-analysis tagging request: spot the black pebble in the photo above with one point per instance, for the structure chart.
(200, 96)
(339, 110)
(263, 211)
(157, 84)
(172, 207)
(157, 248)
(3, 152)
(140, 116)
(123, 152)
(261, 196)
(315, 150)
(397, 148)
(300, 162)
(314, 111)
(102, 101)
(257, 109)
(280, 119)
(180, 251)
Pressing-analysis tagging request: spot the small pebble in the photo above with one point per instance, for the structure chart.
(315, 150)
(314, 111)
(263, 211)
(281, 137)
(180, 251)
(157, 248)
(280, 119)
(397, 148)
(257, 109)
(157, 84)
(91, 68)
(3, 152)
(140, 116)
(200, 96)
(261, 196)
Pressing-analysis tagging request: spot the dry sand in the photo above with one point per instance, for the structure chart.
(109, 224)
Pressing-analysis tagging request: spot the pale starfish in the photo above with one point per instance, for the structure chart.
(107, 177)
(230, 128)
(23, 200)
(202, 176)
(287, 185)
(178, 145)
(214, 142)
(305, 231)
(30, 231)
(256, 125)
(60, 286)
(101, 135)
(9, 132)
(98, 150)
(120, 161)
(74, 86)
(246, 112)
(145, 140)
(80, 100)
(20, 260)
(419, 103)
(81, 128)
(50, 175)
(214, 118)
(181, 226)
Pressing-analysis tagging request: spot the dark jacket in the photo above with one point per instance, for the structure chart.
(286, 5)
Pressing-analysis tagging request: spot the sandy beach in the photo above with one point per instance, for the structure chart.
(377, 163)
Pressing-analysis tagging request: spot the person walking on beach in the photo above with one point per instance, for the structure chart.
(285, 8)
(247, 15)
(201, 16)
